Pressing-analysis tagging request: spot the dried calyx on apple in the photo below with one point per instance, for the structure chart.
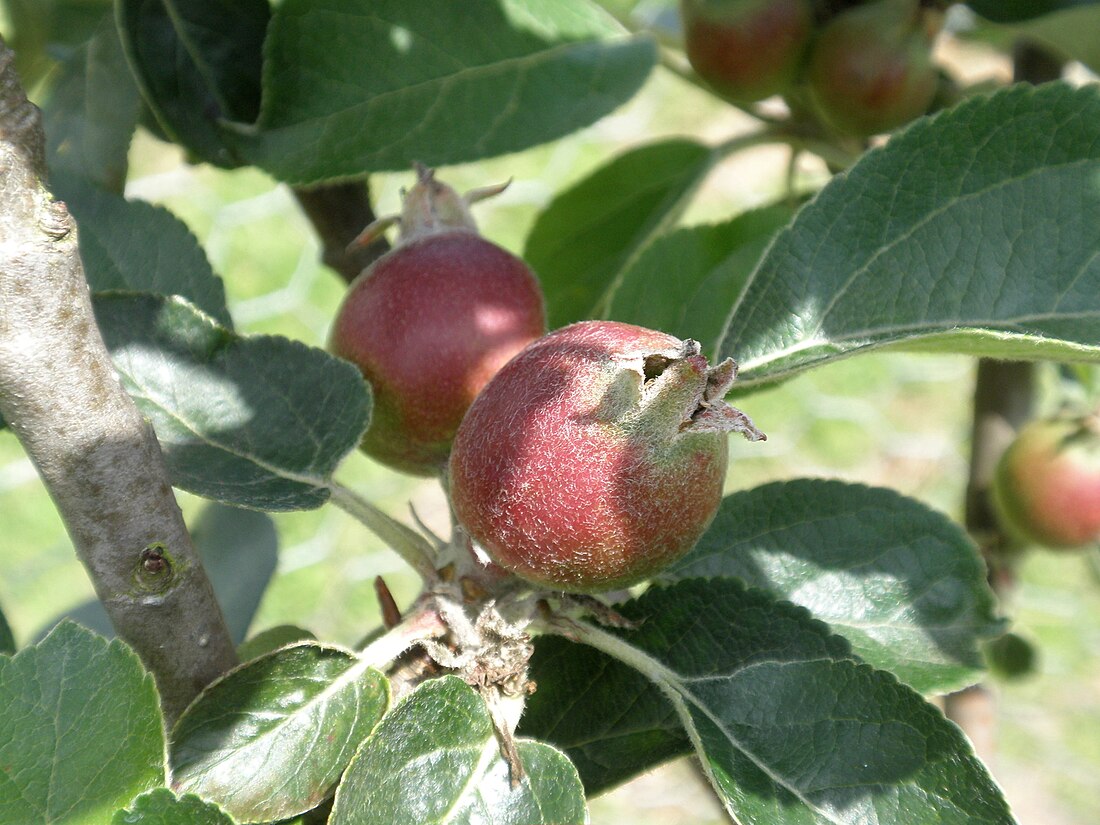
(596, 456)
(1046, 489)
(430, 322)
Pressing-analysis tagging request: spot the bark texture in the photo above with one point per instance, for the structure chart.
(97, 456)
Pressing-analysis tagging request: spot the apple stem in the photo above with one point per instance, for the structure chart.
(406, 542)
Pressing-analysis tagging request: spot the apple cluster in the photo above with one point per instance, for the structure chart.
(581, 460)
(863, 68)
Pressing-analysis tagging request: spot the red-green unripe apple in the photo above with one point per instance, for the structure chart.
(871, 68)
(596, 456)
(429, 323)
(1047, 486)
(746, 50)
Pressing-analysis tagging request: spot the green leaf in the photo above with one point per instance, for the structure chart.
(91, 113)
(612, 722)
(685, 281)
(199, 65)
(270, 739)
(1009, 11)
(81, 732)
(902, 583)
(39, 31)
(352, 86)
(258, 421)
(138, 247)
(239, 549)
(789, 729)
(162, 807)
(7, 640)
(435, 759)
(590, 234)
(270, 640)
(1070, 34)
(974, 231)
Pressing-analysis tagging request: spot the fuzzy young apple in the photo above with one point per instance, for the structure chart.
(596, 456)
(746, 50)
(430, 322)
(871, 68)
(1047, 486)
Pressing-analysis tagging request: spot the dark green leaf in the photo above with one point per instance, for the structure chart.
(137, 247)
(42, 31)
(199, 64)
(162, 807)
(685, 282)
(7, 640)
(435, 759)
(238, 548)
(81, 732)
(1009, 11)
(975, 231)
(270, 739)
(721, 626)
(1069, 34)
(611, 721)
(789, 729)
(901, 582)
(590, 234)
(91, 113)
(352, 86)
(258, 421)
(271, 640)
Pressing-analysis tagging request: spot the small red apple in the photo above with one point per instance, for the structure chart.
(596, 456)
(871, 68)
(746, 50)
(1047, 485)
(430, 322)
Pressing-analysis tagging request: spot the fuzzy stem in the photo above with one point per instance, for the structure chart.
(96, 455)
(405, 541)
(421, 625)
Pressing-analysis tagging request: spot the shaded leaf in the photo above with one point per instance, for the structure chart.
(81, 732)
(270, 739)
(162, 807)
(789, 728)
(138, 247)
(902, 583)
(684, 282)
(91, 112)
(974, 231)
(352, 86)
(591, 233)
(1009, 11)
(7, 640)
(611, 721)
(435, 759)
(199, 64)
(258, 421)
(270, 640)
(42, 31)
(238, 548)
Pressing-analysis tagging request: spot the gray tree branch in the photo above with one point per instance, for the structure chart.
(97, 456)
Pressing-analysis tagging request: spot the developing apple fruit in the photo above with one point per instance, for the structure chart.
(1047, 485)
(596, 456)
(871, 68)
(431, 321)
(746, 50)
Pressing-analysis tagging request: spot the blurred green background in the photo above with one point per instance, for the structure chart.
(887, 419)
